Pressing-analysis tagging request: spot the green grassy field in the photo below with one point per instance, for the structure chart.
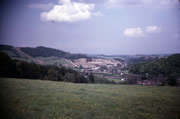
(51, 60)
(36, 99)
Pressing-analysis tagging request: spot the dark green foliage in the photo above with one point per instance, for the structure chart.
(47, 52)
(102, 81)
(27, 70)
(172, 81)
(165, 66)
(22, 69)
(43, 51)
(91, 78)
(80, 79)
(54, 74)
(9, 48)
(7, 66)
(141, 59)
(75, 78)
(69, 77)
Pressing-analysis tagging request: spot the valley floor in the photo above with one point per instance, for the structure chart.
(36, 99)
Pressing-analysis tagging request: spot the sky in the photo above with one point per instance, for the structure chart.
(111, 27)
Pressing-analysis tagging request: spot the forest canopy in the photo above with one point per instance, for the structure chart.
(164, 66)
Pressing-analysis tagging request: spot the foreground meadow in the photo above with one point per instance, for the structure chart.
(36, 99)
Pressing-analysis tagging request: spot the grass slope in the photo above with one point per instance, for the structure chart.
(38, 99)
(52, 60)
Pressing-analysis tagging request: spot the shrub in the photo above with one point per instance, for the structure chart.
(172, 81)
(91, 78)
(101, 80)
(69, 77)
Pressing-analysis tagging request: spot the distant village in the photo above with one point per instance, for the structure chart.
(113, 69)
(97, 65)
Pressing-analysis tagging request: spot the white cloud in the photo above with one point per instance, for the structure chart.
(64, 1)
(146, 3)
(153, 29)
(42, 6)
(134, 32)
(68, 11)
(140, 32)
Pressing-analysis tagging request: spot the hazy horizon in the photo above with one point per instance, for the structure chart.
(109, 27)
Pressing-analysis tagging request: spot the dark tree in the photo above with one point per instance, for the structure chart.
(172, 81)
(91, 78)
(69, 77)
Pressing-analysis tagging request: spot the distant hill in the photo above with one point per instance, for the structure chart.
(48, 52)
(39, 52)
(165, 66)
(10, 50)
(40, 55)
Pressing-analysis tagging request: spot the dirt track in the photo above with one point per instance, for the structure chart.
(28, 56)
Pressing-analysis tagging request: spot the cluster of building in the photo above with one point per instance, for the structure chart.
(98, 65)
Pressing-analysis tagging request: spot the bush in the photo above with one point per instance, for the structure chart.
(69, 77)
(172, 81)
(101, 80)
(91, 78)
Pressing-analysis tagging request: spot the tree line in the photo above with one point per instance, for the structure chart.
(164, 66)
(21, 69)
(168, 68)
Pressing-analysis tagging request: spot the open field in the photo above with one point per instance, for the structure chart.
(36, 99)
(52, 60)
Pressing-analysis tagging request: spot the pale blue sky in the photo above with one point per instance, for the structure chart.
(110, 27)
